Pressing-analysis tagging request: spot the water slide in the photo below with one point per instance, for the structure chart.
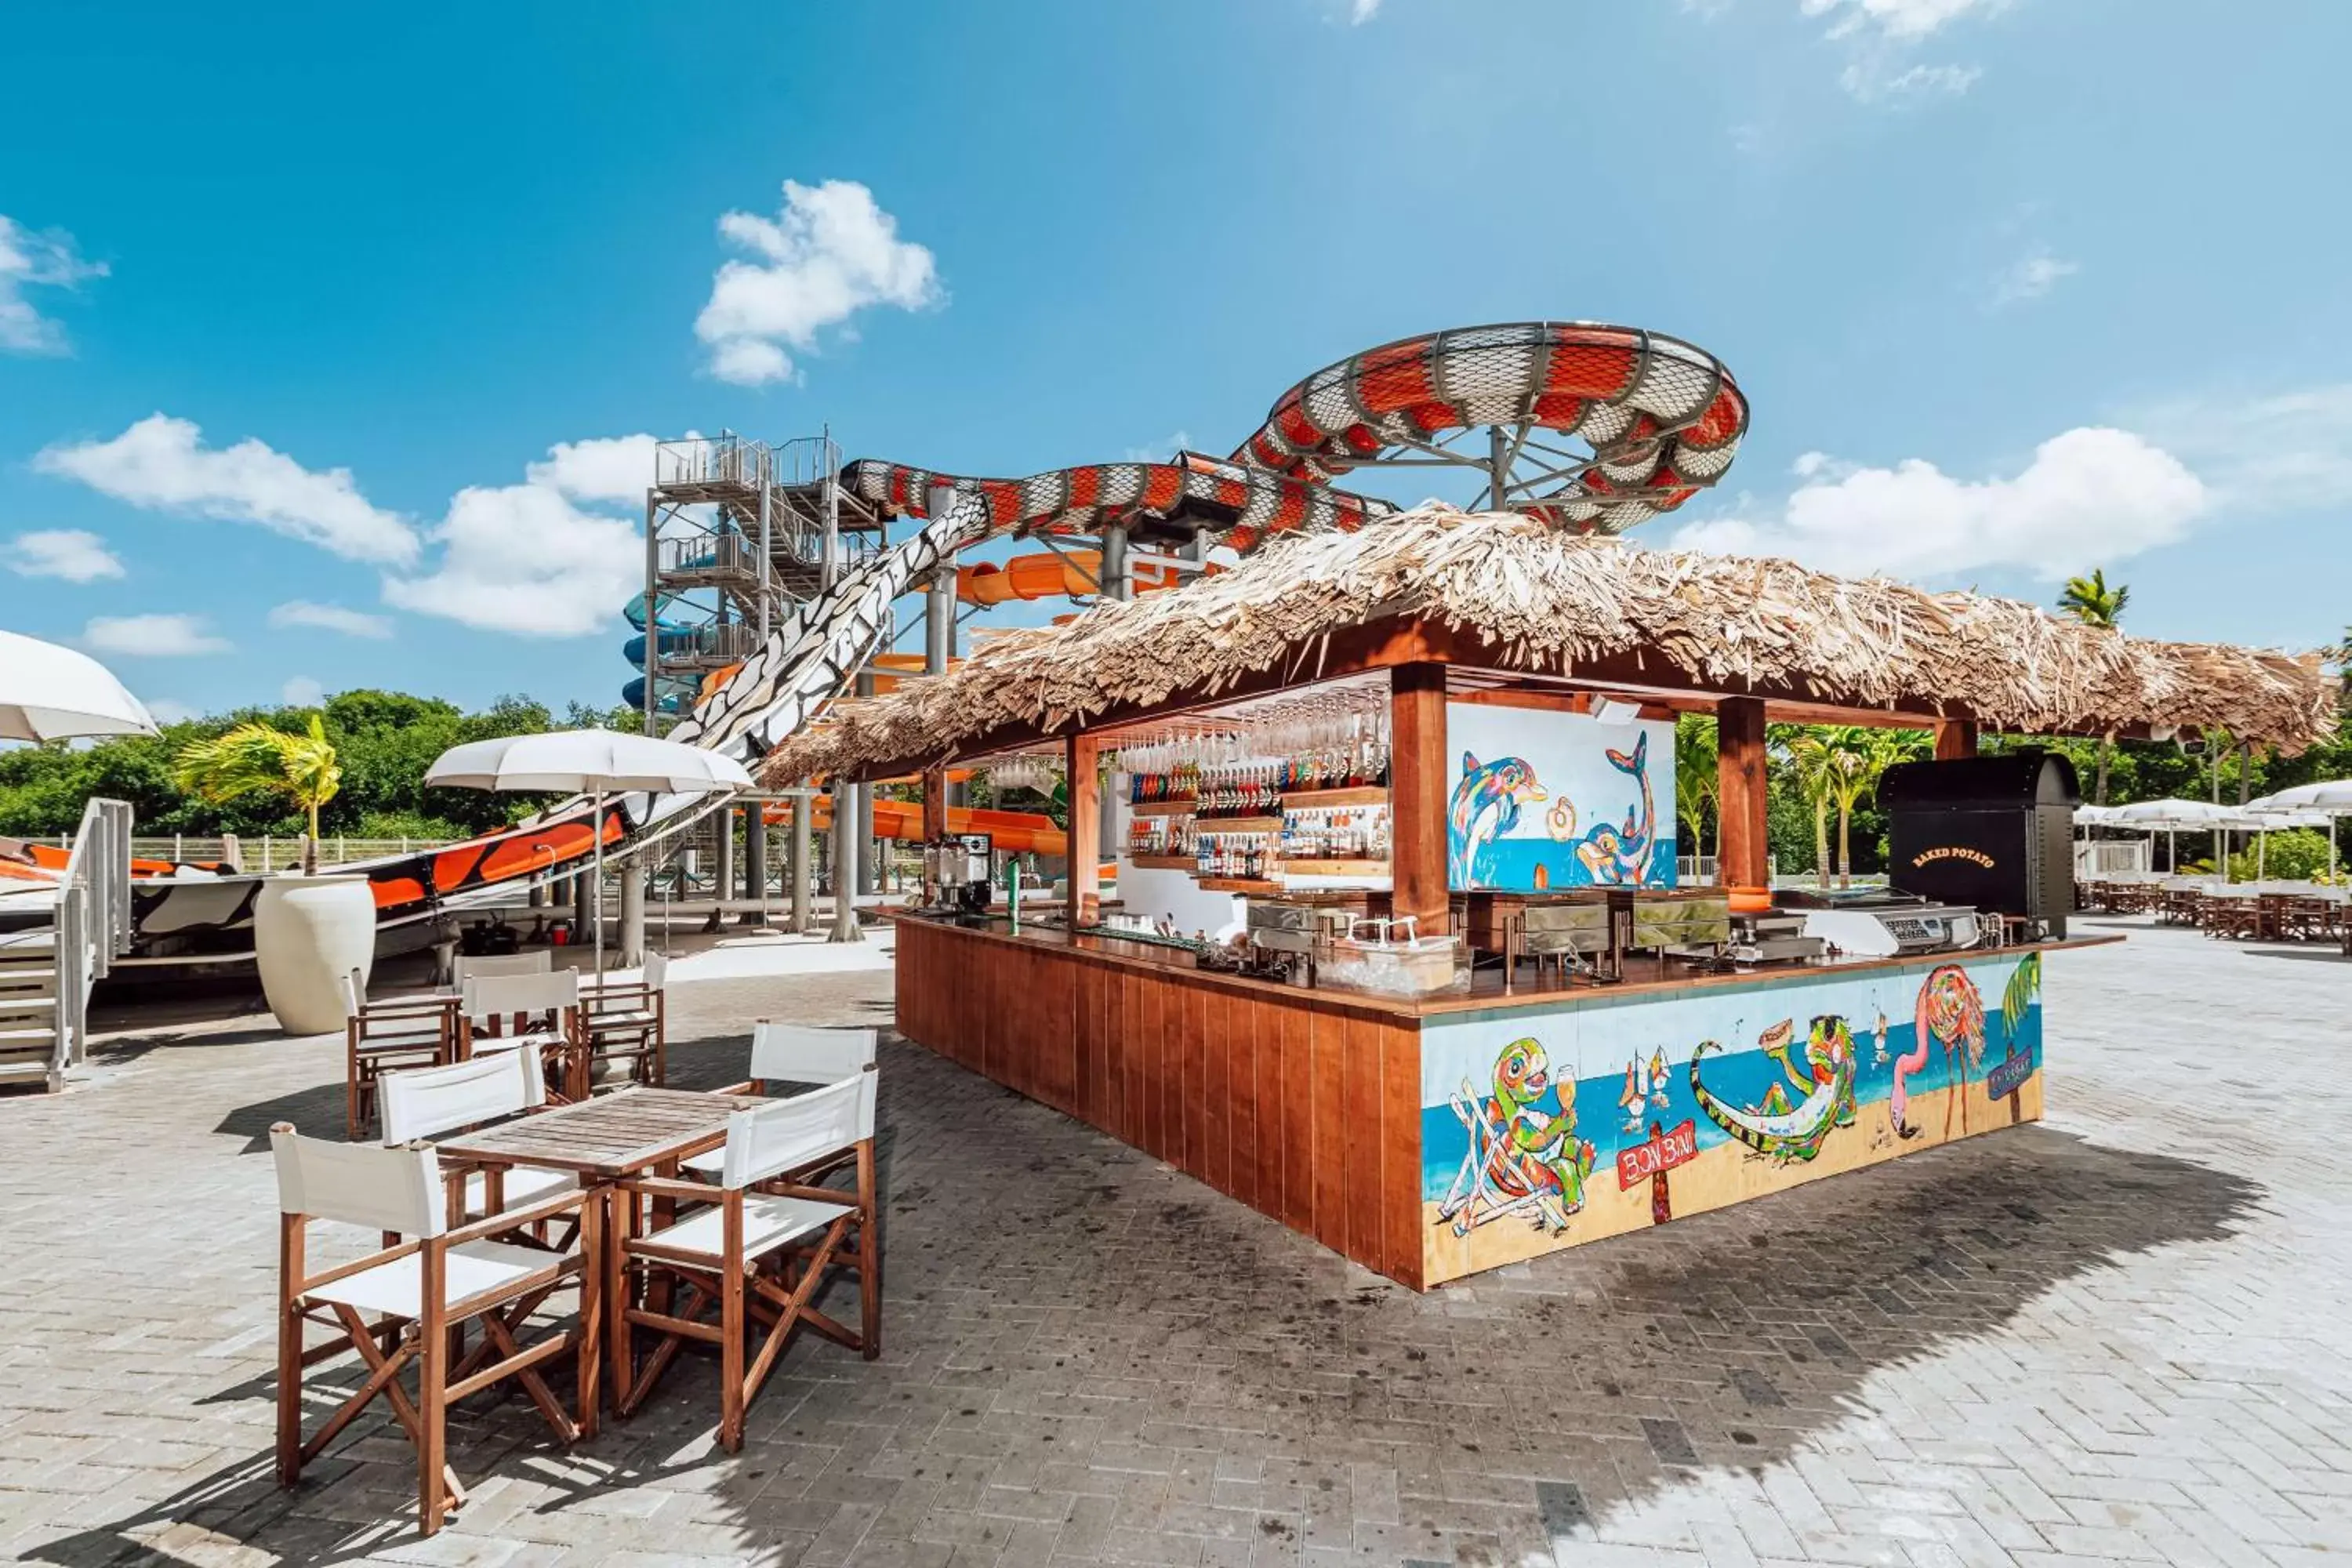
(1663, 420)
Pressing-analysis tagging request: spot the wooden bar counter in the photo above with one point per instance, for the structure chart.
(1415, 1138)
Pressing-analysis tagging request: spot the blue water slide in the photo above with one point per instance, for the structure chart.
(675, 696)
(675, 640)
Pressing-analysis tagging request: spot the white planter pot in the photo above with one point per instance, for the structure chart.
(307, 933)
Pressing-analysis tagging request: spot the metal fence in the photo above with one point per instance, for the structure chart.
(268, 853)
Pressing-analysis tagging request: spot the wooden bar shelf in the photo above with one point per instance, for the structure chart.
(1239, 885)
(1334, 867)
(1163, 862)
(1237, 825)
(1163, 808)
(1361, 794)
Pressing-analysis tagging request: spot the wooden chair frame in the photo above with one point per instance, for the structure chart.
(390, 1344)
(565, 1057)
(386, 1036)
(635, 1012)
(775, 1290)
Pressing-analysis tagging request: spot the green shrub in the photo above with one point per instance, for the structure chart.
(2294, 856)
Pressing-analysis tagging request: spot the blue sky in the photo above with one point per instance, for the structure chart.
(2014, 288)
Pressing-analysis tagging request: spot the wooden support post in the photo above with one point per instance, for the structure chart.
(1081, 756)
(1417, 796)
(935, 804)
(1742, 849)
(1955, 739)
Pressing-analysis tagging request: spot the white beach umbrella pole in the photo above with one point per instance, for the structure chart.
(599, 900)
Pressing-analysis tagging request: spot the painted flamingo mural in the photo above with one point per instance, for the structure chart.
(1951, 1013)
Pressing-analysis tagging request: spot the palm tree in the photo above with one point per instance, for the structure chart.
(1814, 764)
(253, 759)
(2090, 601)
(1698, 782)
(1858, 756)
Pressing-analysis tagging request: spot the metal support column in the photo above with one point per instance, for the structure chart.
(1115, 581)
(845, 863)
(653, 622)
(869, 858)
(829, 566)
(633, 911)
(755, 862)
(799, 865)
(767, 539)
(722, 881)
(1498, 467)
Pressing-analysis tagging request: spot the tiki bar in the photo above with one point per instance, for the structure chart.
(1375, 920)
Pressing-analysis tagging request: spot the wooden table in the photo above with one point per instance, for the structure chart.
(634, 1131)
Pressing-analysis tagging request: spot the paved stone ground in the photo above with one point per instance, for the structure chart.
(2119, 1336)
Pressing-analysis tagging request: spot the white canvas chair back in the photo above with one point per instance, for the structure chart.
(657, 971)
(354, 995)
(795, 1054)
(496, 995)
(358, 1184)
(423, 1102)
(785, 1134)
(538, 962)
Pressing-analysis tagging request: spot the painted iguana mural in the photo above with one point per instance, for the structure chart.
(1823, 1068)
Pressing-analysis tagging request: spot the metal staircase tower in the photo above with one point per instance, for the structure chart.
(740, 535)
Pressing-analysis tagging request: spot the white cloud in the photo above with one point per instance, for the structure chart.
(154, 636)
(526, 559)
(611, 468)
(2031, 279)
(330, 618)
(68, 553)
(30, 260)
(829, 253)
(2092, 494)
(172, 710)
(1895, 18)
(301, 692)
(1162, 450)
(2278, 452)
(1878, 37)
(1872, 81)
(1363, 11)
(163, 463)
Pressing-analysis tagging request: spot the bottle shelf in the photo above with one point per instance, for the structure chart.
(1239, 885)
(1163, 808)
(1163, 862)
(1237, 825)
(1365, 795)
(1334, 867)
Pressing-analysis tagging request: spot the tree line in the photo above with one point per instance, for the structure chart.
(382, 740)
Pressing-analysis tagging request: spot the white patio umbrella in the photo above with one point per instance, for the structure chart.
(52, 693)
(2331, 798)
(588, 762)
(2171, 817)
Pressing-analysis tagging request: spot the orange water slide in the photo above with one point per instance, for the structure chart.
(1076, 572)
(1029, 831)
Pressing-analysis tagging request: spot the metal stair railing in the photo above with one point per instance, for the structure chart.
(92, 927)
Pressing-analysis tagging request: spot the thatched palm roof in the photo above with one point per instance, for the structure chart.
(1541, 601)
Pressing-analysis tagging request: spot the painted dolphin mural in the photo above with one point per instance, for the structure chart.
(1486, 807)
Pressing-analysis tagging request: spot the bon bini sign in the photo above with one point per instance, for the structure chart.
(1661, 1152)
